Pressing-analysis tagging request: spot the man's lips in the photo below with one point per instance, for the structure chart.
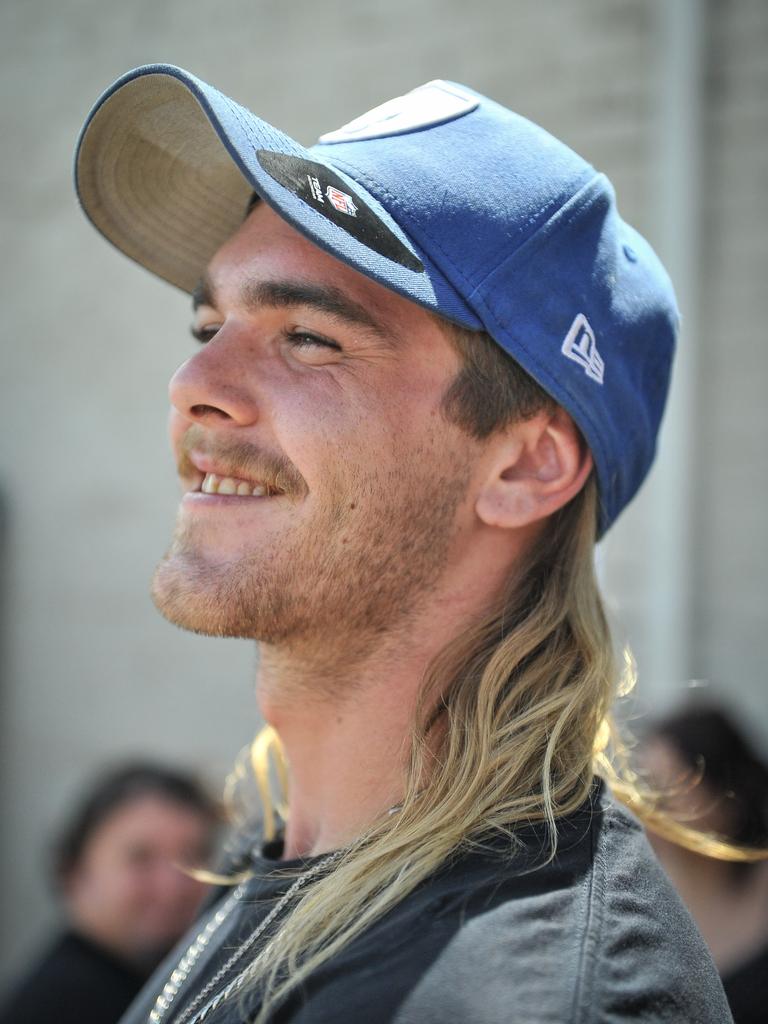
(214, 478)
(214, 484)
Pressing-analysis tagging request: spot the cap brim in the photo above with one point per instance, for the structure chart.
(165, 166)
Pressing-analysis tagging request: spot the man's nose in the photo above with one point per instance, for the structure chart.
(212, 386)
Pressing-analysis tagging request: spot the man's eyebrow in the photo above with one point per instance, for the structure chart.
(282, 294)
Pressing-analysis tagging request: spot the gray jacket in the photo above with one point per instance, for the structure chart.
(597, 936)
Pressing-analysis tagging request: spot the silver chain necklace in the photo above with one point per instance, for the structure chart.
(197, 1010)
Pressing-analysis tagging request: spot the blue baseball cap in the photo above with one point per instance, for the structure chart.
(441, 195)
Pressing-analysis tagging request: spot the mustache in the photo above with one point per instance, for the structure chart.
(240, 459)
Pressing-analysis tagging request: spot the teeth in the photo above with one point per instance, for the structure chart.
(213, 484)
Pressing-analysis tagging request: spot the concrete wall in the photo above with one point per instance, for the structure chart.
(89, 671)
(732, 413)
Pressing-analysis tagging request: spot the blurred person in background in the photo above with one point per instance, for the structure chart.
(118, 867)
(714, 782)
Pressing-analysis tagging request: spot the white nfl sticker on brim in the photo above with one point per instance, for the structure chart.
(428, 105)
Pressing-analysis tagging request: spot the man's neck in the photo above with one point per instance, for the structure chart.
(345, 723)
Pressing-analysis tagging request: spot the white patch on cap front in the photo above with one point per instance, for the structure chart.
(428, 105)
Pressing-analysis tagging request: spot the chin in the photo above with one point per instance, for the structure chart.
(185, 596)
(231, 600)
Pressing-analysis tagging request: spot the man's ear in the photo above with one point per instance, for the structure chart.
(537, 466)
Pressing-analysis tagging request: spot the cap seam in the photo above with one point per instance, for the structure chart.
(564, 215)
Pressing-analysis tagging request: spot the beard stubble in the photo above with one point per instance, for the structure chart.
(377, 543)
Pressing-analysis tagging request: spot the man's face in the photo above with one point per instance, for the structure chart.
(321, 391)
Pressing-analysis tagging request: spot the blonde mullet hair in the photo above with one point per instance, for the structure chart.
(512, 724)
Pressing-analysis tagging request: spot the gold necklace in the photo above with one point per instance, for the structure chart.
(198, 1009)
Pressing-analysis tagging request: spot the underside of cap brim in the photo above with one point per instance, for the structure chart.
(159, 183)
(165, 166)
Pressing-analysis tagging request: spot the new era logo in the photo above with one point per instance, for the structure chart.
(581, 347)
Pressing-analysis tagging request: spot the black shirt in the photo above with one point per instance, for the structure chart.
(747, 989)
(75, 982)
(597, 936)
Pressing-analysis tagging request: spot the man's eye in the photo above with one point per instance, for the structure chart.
(307, 340)
(203, 334)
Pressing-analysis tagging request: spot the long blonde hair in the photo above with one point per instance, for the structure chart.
(521, 701)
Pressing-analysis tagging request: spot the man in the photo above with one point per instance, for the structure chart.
(433, 362)
(118, 868)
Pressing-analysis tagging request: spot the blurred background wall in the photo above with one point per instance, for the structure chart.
(667, 96)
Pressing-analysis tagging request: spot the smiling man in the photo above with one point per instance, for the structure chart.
(432, 364)
(323, 487)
